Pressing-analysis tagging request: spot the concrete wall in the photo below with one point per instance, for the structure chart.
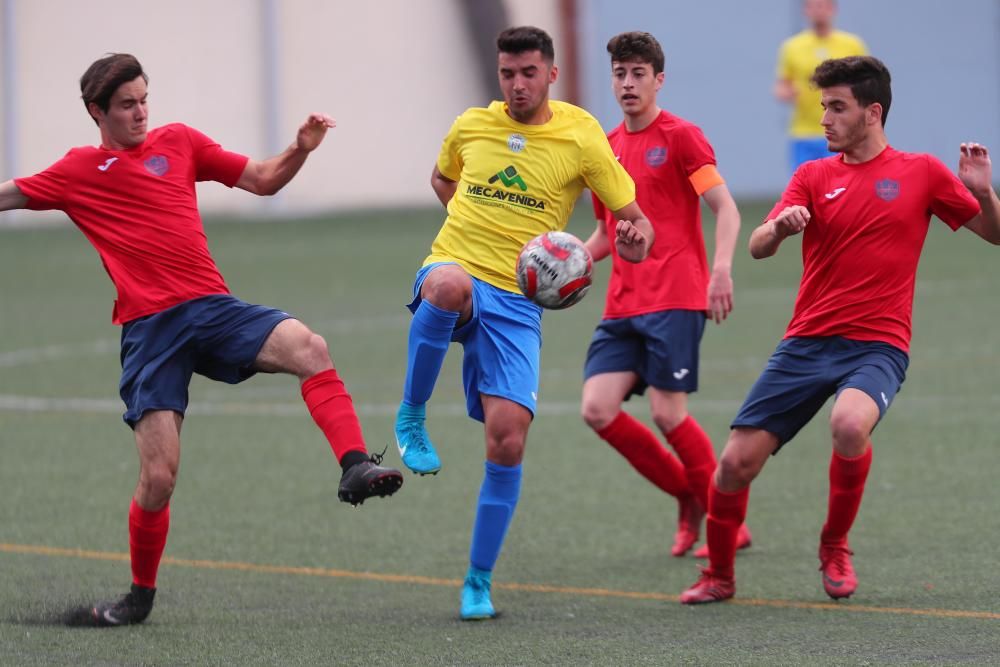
(394, 74)
(944, 58)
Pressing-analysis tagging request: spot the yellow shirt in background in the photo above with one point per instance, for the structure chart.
(797, 60)
(517, 181)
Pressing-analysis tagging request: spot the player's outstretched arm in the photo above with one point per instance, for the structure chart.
(976, 171)
(598, 244)
(634, 234)
(266, 177)
(443, 186)
(11, 196)
(764, 240)
(727, 231)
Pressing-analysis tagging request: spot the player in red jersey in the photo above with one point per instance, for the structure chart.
(655, 311)
(864, 215)
(134, 199)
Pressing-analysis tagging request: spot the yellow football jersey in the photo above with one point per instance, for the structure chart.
(517, 181)
(798, 59)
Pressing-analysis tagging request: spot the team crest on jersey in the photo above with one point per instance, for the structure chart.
(157, 165)
(656, 156)
(887, 189)
(516, 143)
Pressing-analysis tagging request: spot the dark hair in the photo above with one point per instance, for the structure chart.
(867, 77)
(526, 38)
(636, 47)
(104, 76)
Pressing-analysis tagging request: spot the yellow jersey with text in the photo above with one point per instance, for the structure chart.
(797, 60)
(517, 181)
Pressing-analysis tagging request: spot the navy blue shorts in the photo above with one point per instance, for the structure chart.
(804, 372)
(216, 336)
(661, 347)
(502, 344)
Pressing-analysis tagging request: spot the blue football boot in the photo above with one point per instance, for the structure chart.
(415, 446)
(476, 603)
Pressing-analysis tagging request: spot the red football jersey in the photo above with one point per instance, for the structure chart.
(139, 209)
(672, 164)
(861, 247)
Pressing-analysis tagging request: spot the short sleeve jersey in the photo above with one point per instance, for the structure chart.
(673, 165)
(517, 181)
(797, 61)
(139, 209)
(861, 247)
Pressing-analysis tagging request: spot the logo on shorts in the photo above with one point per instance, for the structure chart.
(681, 374)
(656, 156)
(157, 165)
(887, 189)
(885, 399)
(516, 143)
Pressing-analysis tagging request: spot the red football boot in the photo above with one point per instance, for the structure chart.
(839, 579)
(743, 541)
(689, 521)
(709, 588)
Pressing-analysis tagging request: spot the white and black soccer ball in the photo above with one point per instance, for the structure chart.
(554, 270)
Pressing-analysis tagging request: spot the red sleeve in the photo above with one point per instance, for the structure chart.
(46, 190)
(212, 162)
(796, 193)
(695, 151)
(600, 211)
(950, 200)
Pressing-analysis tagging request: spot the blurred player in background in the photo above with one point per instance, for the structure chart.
(134, 199)
(655, 311)
(797, 60)
(864, 216)
(506, 173)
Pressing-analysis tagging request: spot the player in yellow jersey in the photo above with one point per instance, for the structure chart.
(797, 60)
(506, 173)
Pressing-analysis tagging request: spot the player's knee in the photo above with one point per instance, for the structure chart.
(316, 355)
(449, 291)
(667, 419)
(850, 431)
(597, 414)
(157, 482)
(735, 471)
(505, 448)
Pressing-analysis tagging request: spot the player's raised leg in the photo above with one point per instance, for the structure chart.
(444, 300)
(854, 416)
(742, 459)
(506, 424)
(292, 348)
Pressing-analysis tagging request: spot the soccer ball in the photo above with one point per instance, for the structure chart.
(554, 269)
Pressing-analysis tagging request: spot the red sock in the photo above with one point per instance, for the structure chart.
(726, 513)
(847, 485)
(646, 453)
(147, 536)
(695, 451)
(333, 411)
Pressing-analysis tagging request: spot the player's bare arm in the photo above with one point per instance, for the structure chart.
(267, 177)
(784, 91)
(634, 234)
(598, 244)
(443, 186)
(976, 171)
(11, 197)
(764, 240)
(727, 231)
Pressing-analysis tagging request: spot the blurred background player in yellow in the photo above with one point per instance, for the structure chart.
(655, 312)
(506, 173)
(797, 60)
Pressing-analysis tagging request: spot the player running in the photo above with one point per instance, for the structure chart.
(655, 311)
(506, 173)
(134, 199)
(863, 215)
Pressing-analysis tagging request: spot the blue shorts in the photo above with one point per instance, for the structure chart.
(502, 343)
(804, 372)
(216, 336)
(804, 150)
(661, 347)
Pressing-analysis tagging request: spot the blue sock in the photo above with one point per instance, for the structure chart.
(497, 500)
(430, 335)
